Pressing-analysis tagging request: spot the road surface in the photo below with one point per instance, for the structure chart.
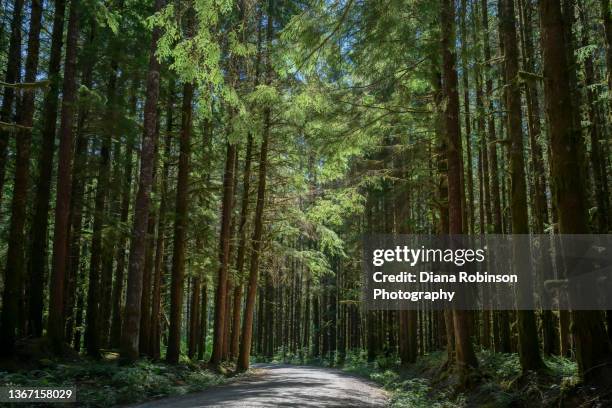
(278, 385)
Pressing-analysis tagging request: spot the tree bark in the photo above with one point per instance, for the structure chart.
(147, 277)
(592, 345)
(247, 325)
(77, 199)
(95, 330)
(194, 318)
(492, 139)
(154, 346)
(242, 237)
(55, 329)
(117, 295)
(131, 322)
(598, 162)
(12, 75)
(468, 126)
(40, 219)
(606, 15)
(15, 256)
(203, 322)
(466, 358)
(529, 350)
(224, 257)
(180, 228)
(539, 202)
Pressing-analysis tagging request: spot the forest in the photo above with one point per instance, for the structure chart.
(185, 184)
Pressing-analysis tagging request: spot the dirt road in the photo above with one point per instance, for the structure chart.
(285, 386)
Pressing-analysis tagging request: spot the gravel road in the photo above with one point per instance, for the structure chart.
(279, 385)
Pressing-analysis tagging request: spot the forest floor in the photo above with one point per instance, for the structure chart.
(287, 386)
(106, 382)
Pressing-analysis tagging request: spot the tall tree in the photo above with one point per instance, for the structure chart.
(606, 14)
(55, 329)
(117, 294)
(529, 350)
(40, 219)
(466, 357)
(592, 345)
(242, 241)
(244, 210)
(247, 325)
(180, 227)
(596, 139)
(131, 321)
(154, 346)
(11, 76)
(15, 256)
(224, 256)
(540, 205)
(95, 332)
(467, 122)
(78, 198)
(492, 138)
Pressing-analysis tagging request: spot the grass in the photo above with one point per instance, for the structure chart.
(106, 383)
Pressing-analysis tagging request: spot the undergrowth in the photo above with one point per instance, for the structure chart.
(106, 383)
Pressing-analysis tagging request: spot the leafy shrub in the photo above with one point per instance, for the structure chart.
(105, 383)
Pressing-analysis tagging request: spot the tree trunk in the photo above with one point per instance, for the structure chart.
(224, 252)
(468, 125)
(606, 15)
(15, 256)
(131, 321)
(74, 269)
(203, 322)
(12, 75)
(147, 278)
(194, 318)
(154, 346)
(117, 295)
(592, 345)
(180, 228)
(529, 350)
(94, 330)
(247, 325)
(242, 235)
(598, 162)
(466, 358)
(539, 203)
(55, 329)
(40, 219)
(109, 246)
(407, 318)
(492, 140)
(225, 350)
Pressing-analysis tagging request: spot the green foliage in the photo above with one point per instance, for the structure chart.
(104, 384)
(332, 209)
(504, 366)
(194, 55)
(105, 16)
(263, 95)
(562, 366)
(416, 393)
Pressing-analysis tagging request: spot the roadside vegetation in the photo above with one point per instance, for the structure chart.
(106, 382)
(429, 384)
